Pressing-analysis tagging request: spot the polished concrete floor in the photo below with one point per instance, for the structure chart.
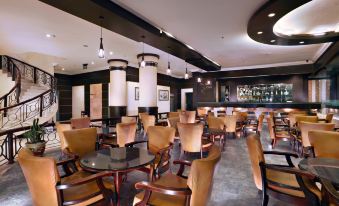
(233, 182)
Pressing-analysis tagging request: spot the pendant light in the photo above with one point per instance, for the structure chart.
(186, 74)
(168, 66)
(199, 79)
(101, 52)
(143, 63)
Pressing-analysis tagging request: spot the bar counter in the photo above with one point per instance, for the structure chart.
(271, 105)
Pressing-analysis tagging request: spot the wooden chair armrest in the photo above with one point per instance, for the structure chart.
(332, 191)
(131, 144)
(291, 170)
(109, 144)
(66, 161)
(163, 189)
(69, 154)
(182, 163)
(84, 180)
(161, 151)
(287, 155)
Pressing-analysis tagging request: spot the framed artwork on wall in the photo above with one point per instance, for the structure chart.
(163, 95)
(136, 94)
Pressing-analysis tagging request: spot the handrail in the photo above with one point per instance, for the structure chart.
(16, 75)
(31, 108)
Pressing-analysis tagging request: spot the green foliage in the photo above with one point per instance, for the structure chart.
(35, 134)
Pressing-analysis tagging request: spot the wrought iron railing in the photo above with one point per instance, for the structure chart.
(11, 141)
(11, 97)
(14, 113)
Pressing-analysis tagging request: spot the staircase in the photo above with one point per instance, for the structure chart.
(33, 96)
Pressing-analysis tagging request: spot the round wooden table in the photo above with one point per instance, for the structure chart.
(107, 160)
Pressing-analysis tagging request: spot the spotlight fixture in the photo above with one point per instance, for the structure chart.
(260, 32)
(273, 40)
(186, 74)
(143, 63)
(208, 82)
(92, 62)
(301, 42)
(63, 69)
(110, 53)
(84, 66)
(199, 79)
(271, 15)
(101, 52)
(50, 35)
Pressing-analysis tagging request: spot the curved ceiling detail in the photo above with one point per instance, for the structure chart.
(271, 23)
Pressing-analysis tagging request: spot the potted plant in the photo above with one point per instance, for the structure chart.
(35, 141)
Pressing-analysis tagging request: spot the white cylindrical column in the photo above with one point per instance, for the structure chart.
(117, 98)
(148, 83)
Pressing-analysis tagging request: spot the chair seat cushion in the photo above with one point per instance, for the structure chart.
(169, 180)
(290, 180)
(80, 191)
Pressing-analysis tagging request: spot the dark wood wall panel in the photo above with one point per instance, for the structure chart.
(64, 87)
(105, 100)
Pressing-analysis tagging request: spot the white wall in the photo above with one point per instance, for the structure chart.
(164, 106)
(78, 100)
(132, 104)
(183, 97)
(6, 83)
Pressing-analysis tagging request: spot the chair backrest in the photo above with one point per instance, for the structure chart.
(141, 114)
(147, 121)
(270, 125)
(187, 117)
(303, 118)
(329, 117)
(126, 133)
(256, 155)
(173, 114)
(81, 141)
(172, 122)
(200, 179)
(231, 123)
(325, 143)
(159, 137)
(190, 136)
(210, 114)
(215, 123)
(126, 119)
(202, 112)
(41, 175)
(241, 116)
(80, 123)
(60, 128)
(305, 127)
(260, 122)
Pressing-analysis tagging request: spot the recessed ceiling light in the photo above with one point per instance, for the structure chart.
(301, 42)
(50, 35)
(63, 69)
(273, 40)
(85, 45)
(271, 15)
(92, 62)
(110, 53)
(260, 32)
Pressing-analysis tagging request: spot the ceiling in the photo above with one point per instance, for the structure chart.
(302, 20)
(218, 29)
(23, 32)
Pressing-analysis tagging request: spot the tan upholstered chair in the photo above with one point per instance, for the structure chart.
(126, 133)
(328, 118)
(202, 112)
(60, 128)
(175, 190)
(160, 142)
(305, 127)
(231, 124)
(147, 121)
(217, 129)
(324, 143)
(126, 119)
(79, 123)
(281, 181)
(187, 117)
(277, 134)
(48, 188)
(172, 122)
(310, 119)
(80, 141)
(173, 114)
(191, 137)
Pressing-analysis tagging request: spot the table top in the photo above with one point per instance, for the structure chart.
(326, 168)
(107, 159)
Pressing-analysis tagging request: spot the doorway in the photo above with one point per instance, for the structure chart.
(183, 98)
(189, 101)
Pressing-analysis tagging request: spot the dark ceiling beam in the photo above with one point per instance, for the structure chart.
(261, 22)
(328, 57)
(125, 23)
(270, 71)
